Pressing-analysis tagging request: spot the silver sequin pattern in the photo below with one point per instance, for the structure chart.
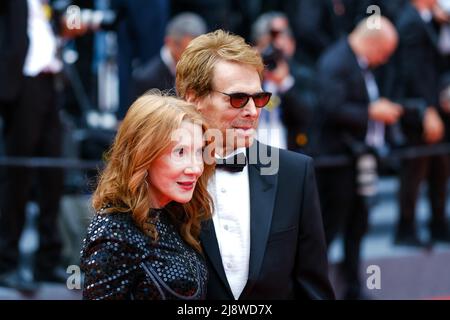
(120, 262)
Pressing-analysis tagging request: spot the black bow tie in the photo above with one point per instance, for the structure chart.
(235, 163)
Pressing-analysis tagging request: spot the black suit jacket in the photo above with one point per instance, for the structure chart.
(417, 69)
(13, 46)
(288, 258)
(140, 34)
(343, 100)
(417, 57)
(154, 74)
(299, 109)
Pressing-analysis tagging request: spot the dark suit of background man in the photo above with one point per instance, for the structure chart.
(317, 24)
(355, 116)
(159, 72)
(265, 240)
(140, 32)
(418, 78)
(31, 128)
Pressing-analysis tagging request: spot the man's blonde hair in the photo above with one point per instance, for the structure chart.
(195, 68)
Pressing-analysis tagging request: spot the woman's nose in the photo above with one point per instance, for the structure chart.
(195, 168)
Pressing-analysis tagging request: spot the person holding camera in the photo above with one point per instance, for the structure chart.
(286, 121)
(139, 26)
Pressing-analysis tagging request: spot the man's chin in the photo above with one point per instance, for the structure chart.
(241, 139)
(244, 142)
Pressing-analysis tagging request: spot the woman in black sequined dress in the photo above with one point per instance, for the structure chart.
(150, 200)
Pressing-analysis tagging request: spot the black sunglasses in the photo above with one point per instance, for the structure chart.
(240, 99)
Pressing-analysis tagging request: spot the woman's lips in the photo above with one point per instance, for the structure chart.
(186, 185)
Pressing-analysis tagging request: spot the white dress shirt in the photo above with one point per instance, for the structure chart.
(41, 54)
(231, 218)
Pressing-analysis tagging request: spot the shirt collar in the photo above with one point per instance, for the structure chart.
(238, 150)
(362, 62)
(426, 15)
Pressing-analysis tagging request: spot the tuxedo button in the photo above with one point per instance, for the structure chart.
(225, 227)
(229, 265)
(223, 190)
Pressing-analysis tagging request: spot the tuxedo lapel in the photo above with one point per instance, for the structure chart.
(209, 242)
(262, 200)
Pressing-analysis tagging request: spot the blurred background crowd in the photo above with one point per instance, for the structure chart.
(361, 86)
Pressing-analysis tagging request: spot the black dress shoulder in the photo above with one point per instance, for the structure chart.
(119, 261)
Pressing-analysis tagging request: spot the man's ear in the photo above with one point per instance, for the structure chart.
(192, 98)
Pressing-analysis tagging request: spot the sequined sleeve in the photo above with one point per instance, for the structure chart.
(109, 271)
(109, 260)
(120, 262)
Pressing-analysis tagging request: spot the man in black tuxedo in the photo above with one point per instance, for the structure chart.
(265, 240)
(354, 118)
(418, 78)
(28, 65)
(159, 72)
(13, 49)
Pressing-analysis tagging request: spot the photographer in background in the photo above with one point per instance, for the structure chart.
(286, 121)
(140, 32)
